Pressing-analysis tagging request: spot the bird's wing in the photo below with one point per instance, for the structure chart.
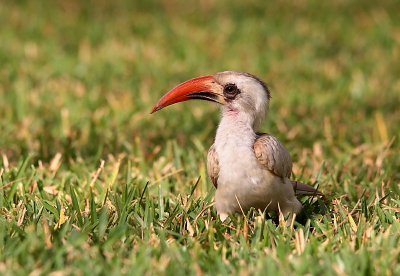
(213, 165)
(276, 159)
(273, 155)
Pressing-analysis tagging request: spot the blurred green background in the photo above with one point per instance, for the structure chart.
(84, 74)
(79, 78)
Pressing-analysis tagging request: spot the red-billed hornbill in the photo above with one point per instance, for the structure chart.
(248, 168)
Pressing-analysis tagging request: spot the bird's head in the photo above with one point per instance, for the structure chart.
(240, 94)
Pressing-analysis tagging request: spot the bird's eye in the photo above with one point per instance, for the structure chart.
(231, 91)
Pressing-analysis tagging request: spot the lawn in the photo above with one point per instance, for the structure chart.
(92, 184)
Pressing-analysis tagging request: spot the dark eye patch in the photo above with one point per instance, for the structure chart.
(231, 91)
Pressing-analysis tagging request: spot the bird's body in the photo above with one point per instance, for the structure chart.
(248, 169)
(246, 182)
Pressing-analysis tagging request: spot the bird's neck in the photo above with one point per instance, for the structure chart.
(234, 131)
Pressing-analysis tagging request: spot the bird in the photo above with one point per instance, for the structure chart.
(249, 169)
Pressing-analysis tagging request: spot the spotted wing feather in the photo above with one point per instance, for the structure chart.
(213, 166)
(273, 155)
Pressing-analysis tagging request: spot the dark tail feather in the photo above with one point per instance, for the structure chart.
(303, 189)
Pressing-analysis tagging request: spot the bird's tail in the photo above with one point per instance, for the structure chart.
(303, 189)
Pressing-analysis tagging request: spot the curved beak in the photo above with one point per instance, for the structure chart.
(201, 88)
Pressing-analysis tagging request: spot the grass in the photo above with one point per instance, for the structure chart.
(91, 184)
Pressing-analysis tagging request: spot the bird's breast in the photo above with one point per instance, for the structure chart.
(239, 169)
(241, 176)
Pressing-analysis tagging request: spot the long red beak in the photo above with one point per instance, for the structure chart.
(201, 88)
